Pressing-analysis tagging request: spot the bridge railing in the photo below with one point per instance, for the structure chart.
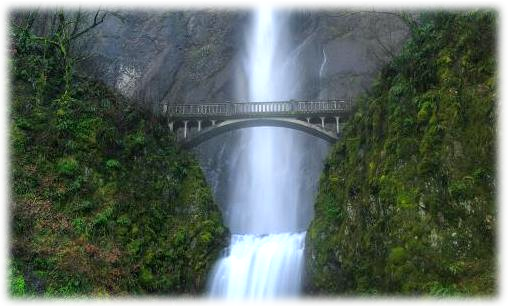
(281, 108)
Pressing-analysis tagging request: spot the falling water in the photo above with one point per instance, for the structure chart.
(269, 205)
(321, 69)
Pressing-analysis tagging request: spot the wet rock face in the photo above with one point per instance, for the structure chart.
(158, 57)
(166, 57)
(342, 51)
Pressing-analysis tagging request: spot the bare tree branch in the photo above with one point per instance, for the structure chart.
(52, 28)
(4, 14)
(61, 21)
(96, 22)
(385, 48)
(33, 16)
(403, 16)
(76, 23)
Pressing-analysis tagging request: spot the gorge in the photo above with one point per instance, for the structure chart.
(105, 201)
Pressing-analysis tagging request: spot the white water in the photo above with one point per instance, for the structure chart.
(322, 68)
(260, 266)
(267, 212)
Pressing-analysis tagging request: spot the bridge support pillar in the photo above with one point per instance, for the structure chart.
(185, 129)
(337, 122)
(322, 122)
(170, 125)
(199, 125)
(308, 119)
(213, 122)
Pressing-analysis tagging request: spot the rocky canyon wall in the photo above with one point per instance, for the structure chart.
(165, 56)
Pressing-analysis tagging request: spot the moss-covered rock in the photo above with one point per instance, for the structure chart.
(406, 203)
(103, 200)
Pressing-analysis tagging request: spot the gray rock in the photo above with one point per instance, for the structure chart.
(353, 46)
(163, 56)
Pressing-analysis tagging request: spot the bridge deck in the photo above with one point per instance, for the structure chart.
(258, 109)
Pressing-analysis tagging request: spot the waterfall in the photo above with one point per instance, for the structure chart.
(270, 197)
(261, 266)
(322, 68)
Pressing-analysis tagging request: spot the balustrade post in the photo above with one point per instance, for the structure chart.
(230, 109)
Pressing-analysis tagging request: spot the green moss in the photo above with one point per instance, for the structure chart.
(104, 200)
(67, 295)
(397, 255)
(14, 289)
(67, 166)
(414, 210)
(102, 298)
(112, 164)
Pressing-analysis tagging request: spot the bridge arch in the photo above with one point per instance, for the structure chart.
(234, 124)
(236, 115)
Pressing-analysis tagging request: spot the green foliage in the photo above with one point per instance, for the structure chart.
(103, 298)
(12, 284)
(104, 201)
(406, 203)
(397, 255)
(68, 295)
(67, 166)
(449, 296)
(112, 164)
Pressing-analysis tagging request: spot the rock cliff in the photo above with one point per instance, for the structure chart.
(159, 57)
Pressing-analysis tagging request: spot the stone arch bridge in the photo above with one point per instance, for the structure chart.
(195, 123)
